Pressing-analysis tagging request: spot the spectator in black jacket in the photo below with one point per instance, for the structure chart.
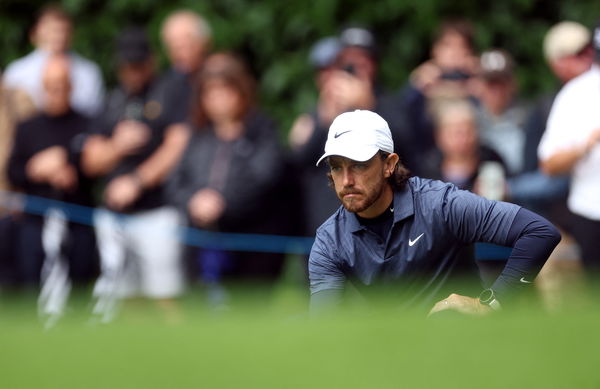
(346, 74)
(228, 177)
(131, 149)
(41, 164)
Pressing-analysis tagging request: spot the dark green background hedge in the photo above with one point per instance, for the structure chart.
(275, 35)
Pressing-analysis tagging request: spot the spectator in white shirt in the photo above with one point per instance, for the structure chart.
(51, 35)
(571, 144)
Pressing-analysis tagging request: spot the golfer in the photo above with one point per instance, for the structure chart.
(393, 229)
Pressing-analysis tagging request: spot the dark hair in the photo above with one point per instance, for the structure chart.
(462, 27)
(401, 173)
(54, 11)
(397, 180)
(231, 70)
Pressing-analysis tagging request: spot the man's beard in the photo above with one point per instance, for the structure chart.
(355, 205)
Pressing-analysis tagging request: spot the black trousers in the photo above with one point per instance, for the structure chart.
(8, 257)
(587, 234)
(81, 252)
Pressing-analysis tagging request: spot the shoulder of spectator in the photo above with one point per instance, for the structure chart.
(86, 64)
(16, 69)
(260, 125)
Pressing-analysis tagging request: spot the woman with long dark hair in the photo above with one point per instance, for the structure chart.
(229, 175)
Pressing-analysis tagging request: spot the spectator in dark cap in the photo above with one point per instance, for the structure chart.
(322, 57)
(308, 134)
(132, 47)
(346, 70)
(357, 85)
(359, 52)
(132, 147)
(501, 117)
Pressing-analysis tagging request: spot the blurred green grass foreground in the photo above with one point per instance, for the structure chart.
(266, 339)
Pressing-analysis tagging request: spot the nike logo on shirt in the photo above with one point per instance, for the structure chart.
(523, 280)
(412, 242)
(337, 135)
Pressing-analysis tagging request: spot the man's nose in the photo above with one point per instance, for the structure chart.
(348, 178)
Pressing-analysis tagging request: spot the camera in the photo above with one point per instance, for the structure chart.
(455, 75)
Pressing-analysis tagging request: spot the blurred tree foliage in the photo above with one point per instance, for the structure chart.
(275, 36)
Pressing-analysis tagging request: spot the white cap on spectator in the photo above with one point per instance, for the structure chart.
(564, 39)
(358, 135)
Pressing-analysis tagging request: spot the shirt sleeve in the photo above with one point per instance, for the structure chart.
(561, 119)
(533, 238)
(472, 218)
(326, 278)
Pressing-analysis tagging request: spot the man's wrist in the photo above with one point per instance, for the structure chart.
(488, 297)
(137, 178)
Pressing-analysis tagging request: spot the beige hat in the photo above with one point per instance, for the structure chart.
(565, 38)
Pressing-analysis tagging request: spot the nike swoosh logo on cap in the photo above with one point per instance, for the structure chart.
(337, 135)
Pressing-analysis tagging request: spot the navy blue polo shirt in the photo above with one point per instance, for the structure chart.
(432, 222)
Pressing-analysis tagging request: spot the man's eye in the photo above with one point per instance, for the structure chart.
(335, 168)
(360, 165)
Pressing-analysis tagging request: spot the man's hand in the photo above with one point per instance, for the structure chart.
(102, 154)
(462, 304)
(342, 92)
(46, 163)
(301, 131)
(65, 179)
(206, 206)
(122, 191)
(129, 136)
(425, 76)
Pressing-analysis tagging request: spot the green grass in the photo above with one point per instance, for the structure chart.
(267, 340)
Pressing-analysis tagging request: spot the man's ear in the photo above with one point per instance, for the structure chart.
(389, 165)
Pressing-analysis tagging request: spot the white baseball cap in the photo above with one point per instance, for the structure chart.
(358, 135)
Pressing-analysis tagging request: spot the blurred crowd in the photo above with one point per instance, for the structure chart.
(191, 146)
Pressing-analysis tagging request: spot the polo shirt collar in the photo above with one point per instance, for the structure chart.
(403, 208)
(403, 203)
